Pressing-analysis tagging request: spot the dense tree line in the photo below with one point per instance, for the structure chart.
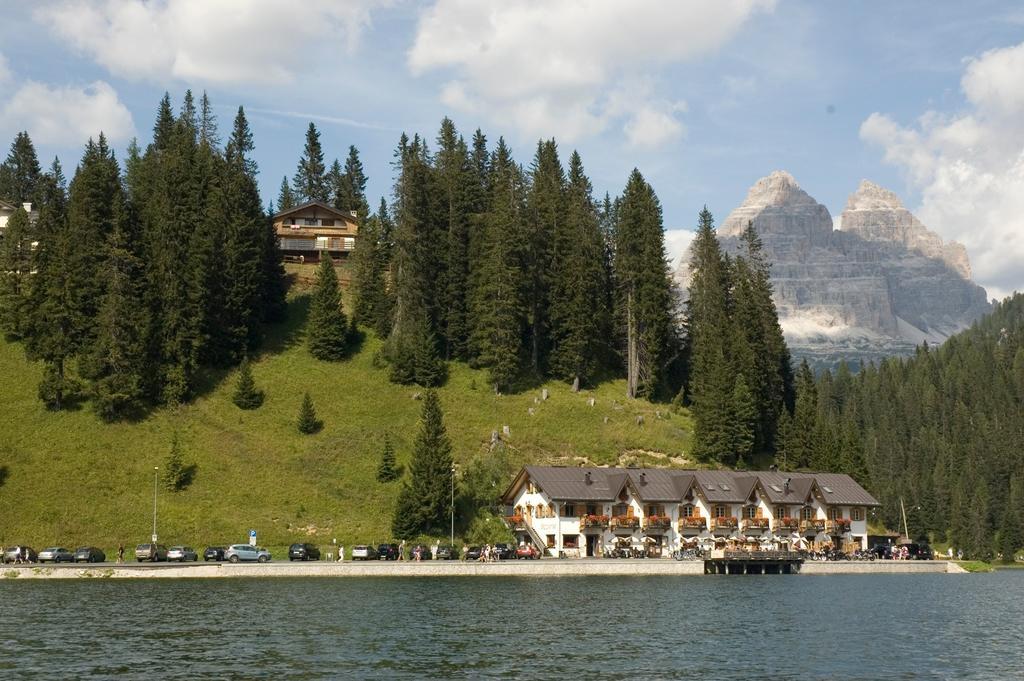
(740, 377)
(138, 279)
(941, 431)
(519, 271)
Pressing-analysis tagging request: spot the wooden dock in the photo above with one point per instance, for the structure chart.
(726, 562)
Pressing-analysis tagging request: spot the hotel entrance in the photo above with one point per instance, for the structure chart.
(593, 544)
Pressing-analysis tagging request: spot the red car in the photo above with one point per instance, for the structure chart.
(527, 551)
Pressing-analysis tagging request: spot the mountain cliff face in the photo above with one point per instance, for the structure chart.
(877, 286)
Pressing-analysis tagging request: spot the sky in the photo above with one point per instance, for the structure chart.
(703, 96)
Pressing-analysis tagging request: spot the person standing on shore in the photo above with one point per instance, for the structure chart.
(401, 550)
(120, 553)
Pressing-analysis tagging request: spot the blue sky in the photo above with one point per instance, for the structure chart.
(926, 98)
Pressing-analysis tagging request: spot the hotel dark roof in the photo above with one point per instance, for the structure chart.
(563, 483)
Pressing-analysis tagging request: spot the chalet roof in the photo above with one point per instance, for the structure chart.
(316, 204)
(563, 483)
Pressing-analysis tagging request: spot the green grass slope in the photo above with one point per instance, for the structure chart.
(67, 478)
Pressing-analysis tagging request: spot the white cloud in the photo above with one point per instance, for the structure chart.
(676, 243)
(969, 166)
(559, 68)
(66, 116)
(5, 71)
(225, 41)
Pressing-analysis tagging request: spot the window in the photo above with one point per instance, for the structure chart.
(592, 510)
(570, 541)
(807, 513)
(569, 511)
(688, 511)
(291, 221)
(856, 514)
(550, 539)
(750, 511)
(721, 511)
(620, 510)
(327, 223)
(655, 510)
(349, 243)
(780, 512)
(835, 513)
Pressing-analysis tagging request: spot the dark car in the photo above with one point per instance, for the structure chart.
(882, 550)
(150, 552)
(503, 552)
(387, 552)
(421, 550)
(303, 552)
(214, 553)
(445, 552)
(56, 554)
(473, 553)
(89, 554)
(919, 552)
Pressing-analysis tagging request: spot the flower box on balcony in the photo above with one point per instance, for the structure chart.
(657, 522)
(594, 521)
(812, 526)
(724, 522)
(838, 526)
(692, 523)
(629, 522)
(755, 524)
(787, 525)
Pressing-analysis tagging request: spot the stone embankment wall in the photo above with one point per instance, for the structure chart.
(543, 568)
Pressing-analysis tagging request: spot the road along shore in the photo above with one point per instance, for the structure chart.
(516, 568)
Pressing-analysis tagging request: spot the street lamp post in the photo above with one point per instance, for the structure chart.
(452, 538)
(155, 469)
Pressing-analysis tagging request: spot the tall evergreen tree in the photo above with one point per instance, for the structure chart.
(327, 329)
(369, 278)
(546, 211)
(643, 287)
(386, 470)
(309, 183)
(351, 193)
(285, 197)
(20, 172)
(15, 275)
(424, 504)
(454, 181)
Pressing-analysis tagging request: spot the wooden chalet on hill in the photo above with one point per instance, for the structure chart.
(305, 231)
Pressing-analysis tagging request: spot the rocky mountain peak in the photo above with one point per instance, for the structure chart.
(870, 196)
(777, 204)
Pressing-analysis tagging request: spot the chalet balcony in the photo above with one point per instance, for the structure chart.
(657, 524)
(811, 527)
(787, 526)
(837, 527)
(594, 523)
(692, 526)
(516, 523)
(755, 526)
(723, 526)
(622, 524)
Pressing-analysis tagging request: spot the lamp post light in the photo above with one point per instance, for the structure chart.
(155, 470)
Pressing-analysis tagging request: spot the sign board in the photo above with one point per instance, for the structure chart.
(252, 537)
(154, 539)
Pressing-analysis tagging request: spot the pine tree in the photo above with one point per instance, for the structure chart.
(308, 423)
(247, 395)
(546, 211)
(309, 183)
(643, 287)
(578, 308)
(20, 172)
(327, 329)
(406, 522)
(285, 197)
(116, 363)
(743, 422)
(387, 470)
(454, 180)
(15, 275)
(498, 304)
(174, 467)
(350, 193)
(426, 499)
(369, 277)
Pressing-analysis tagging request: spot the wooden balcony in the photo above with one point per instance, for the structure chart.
(657, 524)
(723, 526)
(754, 526)
(516, 523)
(594, 523)
(837, 527)
(787, 526)
(692, 526)
(809, 527)
(622, 524)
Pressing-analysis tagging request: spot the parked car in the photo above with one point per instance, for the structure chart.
(214, 553)
(89, 554)
(150, 552)
(364, 552)
(445, 552)
(182, 554)
(303, 552)
(23, 553)
(474, 553)
(246, 552)
(882, 550)
(919, 552)
(502, 552)
(387, 552)
(56, 554)
(423, 551)
(527, 552)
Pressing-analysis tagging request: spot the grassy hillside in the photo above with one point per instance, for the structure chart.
(67, 478)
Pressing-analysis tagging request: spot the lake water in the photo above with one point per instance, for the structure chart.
(708, 627)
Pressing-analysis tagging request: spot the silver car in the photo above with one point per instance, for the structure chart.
(246, 552)
(56, 554)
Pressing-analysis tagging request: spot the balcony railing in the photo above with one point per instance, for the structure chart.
(594, 521)
(623, 522)
(836, 527)
(812, 526)
(755, 524)
(787, 525)
(657, 524)
(516, 522)
(692, 525)
(724, 524)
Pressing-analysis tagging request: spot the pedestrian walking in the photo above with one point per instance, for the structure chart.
(120, 553)
(401, 550)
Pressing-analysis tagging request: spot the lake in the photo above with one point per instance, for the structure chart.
(709, 627)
